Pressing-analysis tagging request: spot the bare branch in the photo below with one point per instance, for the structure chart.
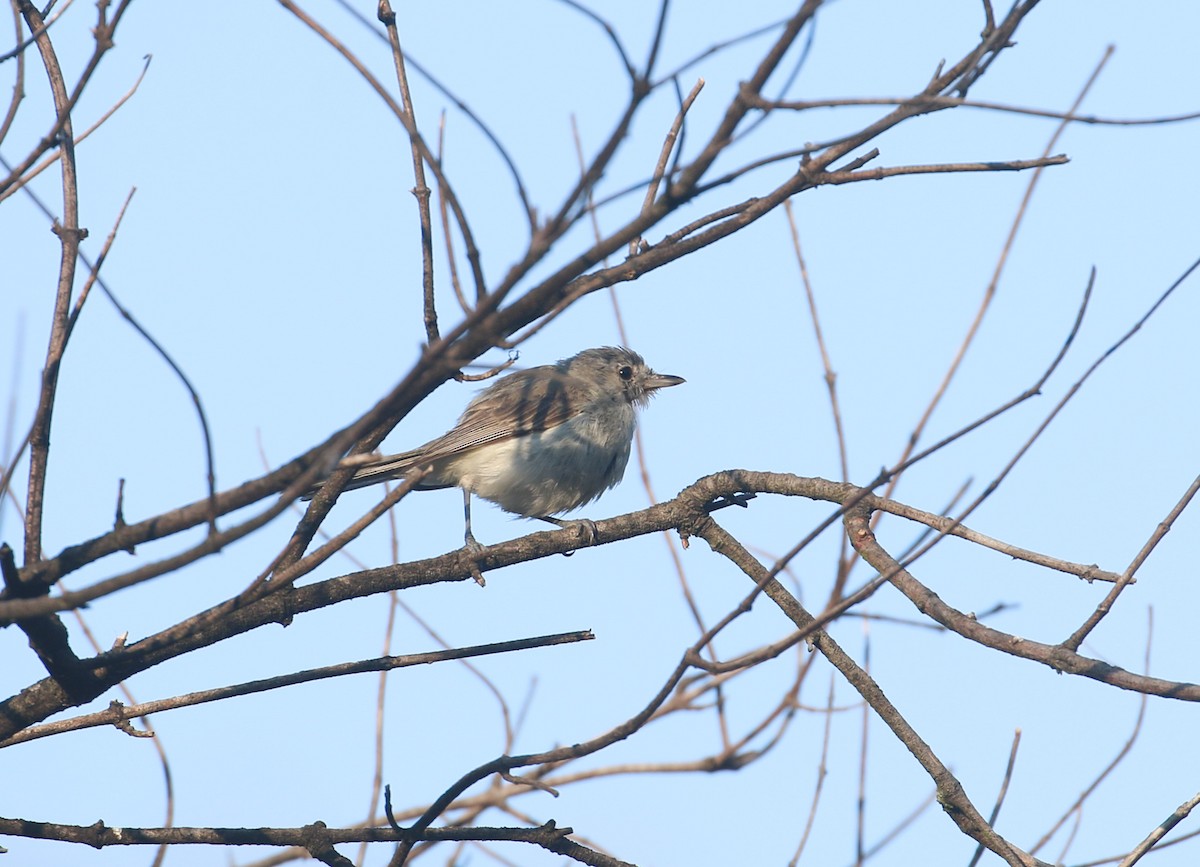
(660, 167)
(1126, 577)
(995, 814)
(989, 292)
(958, 102)
(1181, 812)
(53, 158)
(950, 792)
(70, 234)
(414, 134)
(118, 713)
(421, 189)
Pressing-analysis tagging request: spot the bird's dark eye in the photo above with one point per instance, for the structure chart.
(626, 372)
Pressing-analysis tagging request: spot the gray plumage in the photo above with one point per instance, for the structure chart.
(540, 441)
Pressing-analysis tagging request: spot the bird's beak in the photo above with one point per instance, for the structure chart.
(662, 380)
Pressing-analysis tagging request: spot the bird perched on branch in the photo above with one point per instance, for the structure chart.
(537, 442)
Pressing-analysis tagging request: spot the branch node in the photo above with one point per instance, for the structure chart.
(527, 781)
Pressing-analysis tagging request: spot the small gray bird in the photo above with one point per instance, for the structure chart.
(537, 442)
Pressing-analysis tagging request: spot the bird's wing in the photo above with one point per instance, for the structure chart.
(520, 404)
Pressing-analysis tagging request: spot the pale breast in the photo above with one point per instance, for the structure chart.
(556, 470)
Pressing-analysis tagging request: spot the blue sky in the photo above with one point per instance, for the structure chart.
(271, 247)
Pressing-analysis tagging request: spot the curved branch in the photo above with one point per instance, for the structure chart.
(684, 513)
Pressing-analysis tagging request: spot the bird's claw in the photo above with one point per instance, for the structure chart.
(474, 549)
(584, 527)
(724, 501)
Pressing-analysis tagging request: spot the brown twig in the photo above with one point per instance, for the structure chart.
(959, 102)
(53, 158)
(447, 235)
(473, 255)
(40, 700)
(660, 168)
(103, 37)
(421, 190)
(94, 269)
(822, 771)
(18, 52)
(1126, 578)
(830, 376)
(950, 792)
(955, 527)
(201, 416)
(989, 293)
(100, 836)
(864, 739)
(117, 712)
(1180, 813)
(491, 372)
(1008, 772)
(1054, 656)
(638, 446)
(493, 139)
(1077, 807)
(70, 234)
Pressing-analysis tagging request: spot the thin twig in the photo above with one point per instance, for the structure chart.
(22, 44)
(147, 731)
(1008, 772)
(989, 293)
(664, 154)
(849, 175)
(955, 527)
(864, 740)
(822, 772)
(830, 377)
(957, 102)
(420, 188)
(609, 31)
(201, 415)
(103, 36)
(447, 235)
(99, 836)
(1077, 806)
(950, 792)
(70, 234)
(493, 139)
(491, 372)
(53, 158)
(1126, 578)
(119, 712)
(473, 255)
(1181, 812)
(94, 272)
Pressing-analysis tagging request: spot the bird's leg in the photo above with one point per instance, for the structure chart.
(469, 536)
(586, 526)
(472, 545)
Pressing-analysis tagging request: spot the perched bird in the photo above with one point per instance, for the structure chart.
(537, 442)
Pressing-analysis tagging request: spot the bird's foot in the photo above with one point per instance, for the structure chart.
(473, 548)
(584, 527)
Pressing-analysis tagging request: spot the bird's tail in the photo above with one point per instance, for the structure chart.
(379, 470)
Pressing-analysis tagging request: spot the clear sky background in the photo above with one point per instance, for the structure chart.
(272, 248)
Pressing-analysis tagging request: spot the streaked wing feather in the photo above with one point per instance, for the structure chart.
(523, 403)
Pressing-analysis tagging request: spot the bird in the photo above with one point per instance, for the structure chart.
(538, 442)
